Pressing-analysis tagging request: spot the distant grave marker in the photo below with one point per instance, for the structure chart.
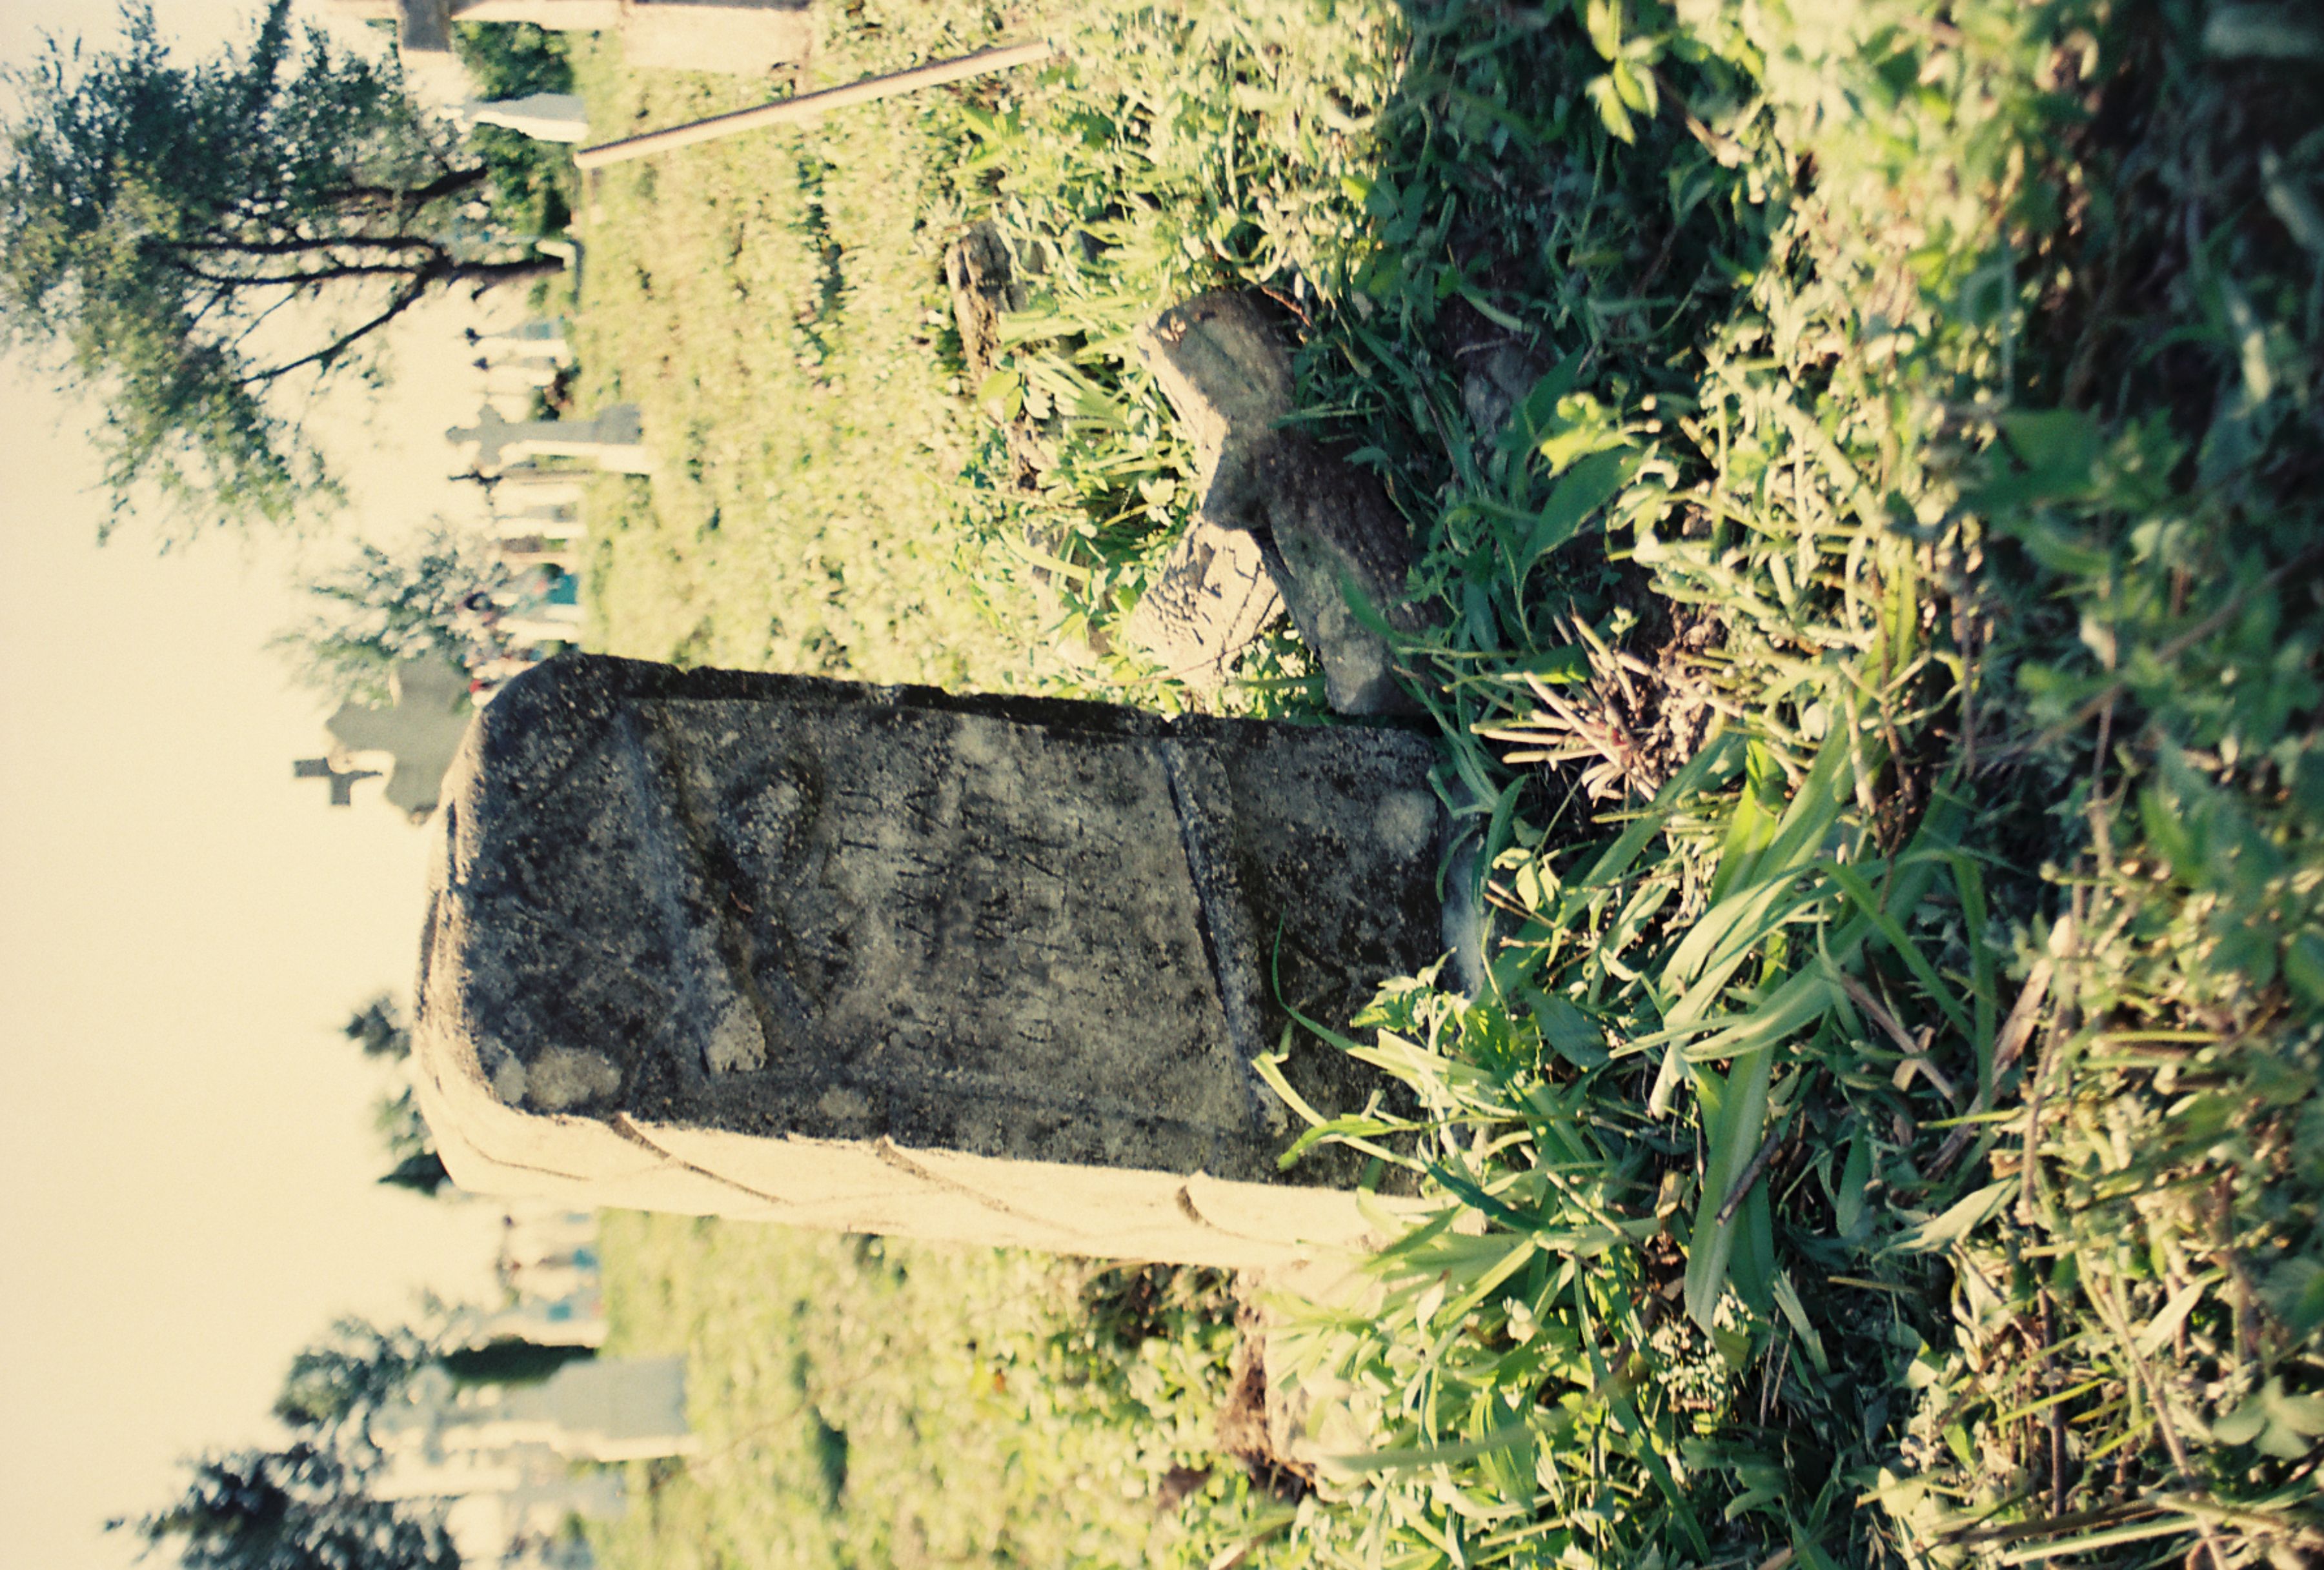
(343, 781)
(610, 439)
(411, 741)
(894, 960)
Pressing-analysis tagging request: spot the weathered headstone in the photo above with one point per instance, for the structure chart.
(1277, 507)
(894, 960)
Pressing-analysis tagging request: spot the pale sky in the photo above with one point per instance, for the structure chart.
(185, 1156)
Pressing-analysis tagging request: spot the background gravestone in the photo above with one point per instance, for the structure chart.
(411, 741)
(904, 961)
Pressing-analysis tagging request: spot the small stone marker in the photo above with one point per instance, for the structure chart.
(1230, 385)
(895, 960)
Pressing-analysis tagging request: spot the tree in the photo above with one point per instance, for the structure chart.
(382, 608)
(197, 244)
(334, 1384)
(305, 1507)
(378, 1029)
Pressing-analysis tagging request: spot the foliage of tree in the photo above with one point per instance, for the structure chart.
(333, 1383)
(509, 60)
(532, 183)
(199, 245)
(306, 1507)
(409, 1146)
(510, 1361)
(384, 607)
(378, 1029)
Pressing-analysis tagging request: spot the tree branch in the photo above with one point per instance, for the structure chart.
(320, 275)
(487, 275)
(410, 196)
(482, 275)
(403, 300)
(307, 244)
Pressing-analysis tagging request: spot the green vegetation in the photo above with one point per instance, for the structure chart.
(305, 1504)
(877, 1401)
(381, 608)
(529, 185)
(310, 1502)
(157, 219)
(1865, 465)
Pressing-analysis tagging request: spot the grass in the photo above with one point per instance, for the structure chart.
(850, 1412)
(1865, 465)
(769, 306)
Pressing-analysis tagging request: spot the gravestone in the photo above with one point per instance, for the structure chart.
(543, 116)
(1278, 506)
(1231, 386)
(541, 339)
(413, 739)
(900, 961)
(611, 438)
(603, 1410)
(557, 522)
(343, 781)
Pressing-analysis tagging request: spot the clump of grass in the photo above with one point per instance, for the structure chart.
(1946, 1053)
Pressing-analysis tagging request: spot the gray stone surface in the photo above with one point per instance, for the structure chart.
(1213, 598)
(1324, 527)
(895, 960)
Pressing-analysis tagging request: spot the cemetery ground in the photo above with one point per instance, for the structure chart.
(1866, 471)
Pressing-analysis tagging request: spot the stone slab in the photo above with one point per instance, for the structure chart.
(896, 960)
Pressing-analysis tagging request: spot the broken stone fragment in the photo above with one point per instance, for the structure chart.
(1323, 528)
(1213, 598)
(985, 288)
